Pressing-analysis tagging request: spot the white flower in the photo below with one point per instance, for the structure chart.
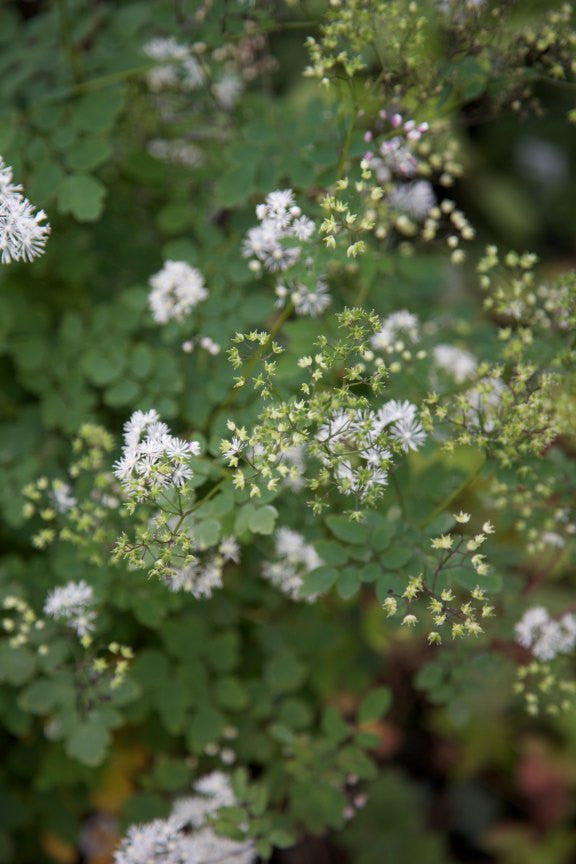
(158, 841)
(179, 66)
(303, 228)
(152, 457)
(62, 496)
(22, 236)
(400, 323)
(416, 199)
(227, 90)
(176, 289)
(229, 549)
(178, 151)
(187, 837)
(296, 558)
(280, 221)
(546, 637)
(72, 604)
(484, 401)
(460, 364)
(401, 420)
(308, 302)
(361, 459)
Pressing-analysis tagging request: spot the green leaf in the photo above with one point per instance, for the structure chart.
(17, 665)
(284, 673)
(205, 727)
(88, 743)
(263, 520)
(231, 693)
(375, 705)
(319, 580)
(98, 110)
(82, 196)
(331, 552)
(39, 697)
(389, 582)
(344, 529)
(397, 555)
(334, 726)
(207, 533)
(88, 154)
(348, 584)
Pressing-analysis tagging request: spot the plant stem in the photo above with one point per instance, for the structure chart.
(67, 42)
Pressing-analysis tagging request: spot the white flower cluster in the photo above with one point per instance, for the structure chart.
(458, 363)
(152, 457)
(396, 328)
(178, 67)
(187, 837)
(201, 577)
(72, 604)
(307, 301)
(296, 558)
(177, 151)
(360, 441)
(544, 636)
(416, 199)
(22, 236)
(176, 289)
(271, 244)
(484, 401)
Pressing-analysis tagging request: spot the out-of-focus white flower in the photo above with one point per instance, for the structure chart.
(178, 151)
(416, 199)
(281, 223)
(227, 90)
(176, 289)
(544, 636)
(457, 362)
(295, 559)
(311, 302)
(72, 603)
(397, 326)
(187, 837)
(178, 67)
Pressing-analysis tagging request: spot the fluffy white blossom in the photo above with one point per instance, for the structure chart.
(72, 603)
(355, 451)
(398, 326)
(22, 234)
(295, 559)
(544, 636)
(62, 497)
(272, 242)
(457, 362)
(187, 836)
(178, 67)
(307, 301)
(484, 402)
(416, 199)
(152, 457)
(176, 289)
(227, 90)
(178, 151)
(358, 445)
(203, 575)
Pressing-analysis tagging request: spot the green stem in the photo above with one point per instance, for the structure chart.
(67, 42)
